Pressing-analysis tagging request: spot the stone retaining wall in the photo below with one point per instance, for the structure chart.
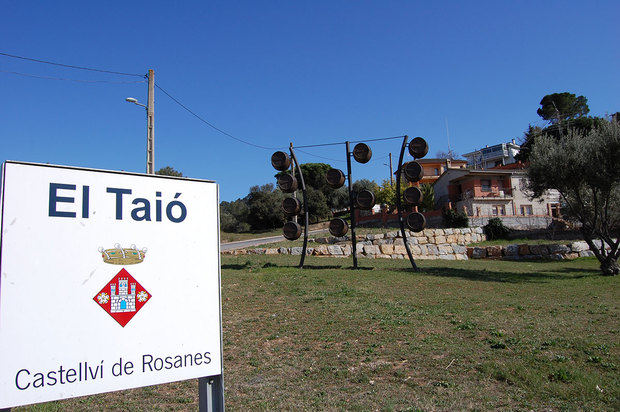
(571, 250)
(446, 244)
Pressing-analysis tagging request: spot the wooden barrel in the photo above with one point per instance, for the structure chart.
(418, 148)
(365, 199)
(291, 230)
(413, 171)
(280, 161)
(416, 221)
(335, 178)
(291, 206)
(362, 153)
(412, 196)
(338, 227)
(287, 183)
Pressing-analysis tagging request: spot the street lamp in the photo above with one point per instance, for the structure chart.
(150, 122)
(134, 101)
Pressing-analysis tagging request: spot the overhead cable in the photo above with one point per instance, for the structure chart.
(36, 76)
(70, 66)
(211, 124)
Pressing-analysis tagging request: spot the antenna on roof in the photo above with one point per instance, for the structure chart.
(448, 135)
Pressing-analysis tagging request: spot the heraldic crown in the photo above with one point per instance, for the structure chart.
(123, 256)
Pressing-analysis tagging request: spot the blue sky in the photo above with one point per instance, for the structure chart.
(274, 72)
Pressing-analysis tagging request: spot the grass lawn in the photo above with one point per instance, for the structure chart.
(457, 335)
(226, 237)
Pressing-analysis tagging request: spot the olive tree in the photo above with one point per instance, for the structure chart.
(583, 167)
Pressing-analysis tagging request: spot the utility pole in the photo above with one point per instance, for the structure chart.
(150, 124)
(391, 174)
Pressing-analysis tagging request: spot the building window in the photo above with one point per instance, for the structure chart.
(498, 210)
(526, 210)
(554, 209)
(436, 172)
(485, 185)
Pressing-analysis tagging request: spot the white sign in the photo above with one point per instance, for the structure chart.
(108, 281)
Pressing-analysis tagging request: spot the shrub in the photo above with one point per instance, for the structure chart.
(454, 218)
(495, 229)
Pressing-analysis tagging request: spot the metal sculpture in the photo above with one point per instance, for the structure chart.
(413, 172)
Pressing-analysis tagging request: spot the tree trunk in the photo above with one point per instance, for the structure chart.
(609, 266)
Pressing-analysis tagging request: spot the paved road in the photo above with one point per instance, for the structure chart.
(261, 241)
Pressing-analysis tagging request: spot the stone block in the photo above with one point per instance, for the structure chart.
(494, 251)
(467, 238)
(387, 249)
(479, 253)
(397, 256)
(447, 257)
(334, 250)
(448, 231)
(579, 246)
(320, 250)
(371, 250)
(360, 248)
(452, 238)
(461, 256)
(459, 249)
(391, 235)
(445, 249)
(310, 251)
(271, 251)
(558, 249)
(423, 249)
(539, 250)
(524, 250)
(478, 230)
(422, 240)
(382, 256)
(413, 240)
(428, 232)
(571, 255)
(399, 241)
(586, 253)
(511, 250)
(296, 250)
(400, 249)
(440, 240)
(439, 232)
(432, 250)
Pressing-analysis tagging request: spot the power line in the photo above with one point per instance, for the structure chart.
(70, 66)
(211, 124)
(320, 157)
(351, 141)
(72, 80)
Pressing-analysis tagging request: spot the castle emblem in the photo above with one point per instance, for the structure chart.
(123, 296)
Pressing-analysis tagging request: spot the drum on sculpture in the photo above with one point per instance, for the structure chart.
(418, 148)
(338, 227)
(335, 178)
(287, 183)
(291, 230)
(291, 206)
(362, 153)
(280, 161)
(365, 199)
(412, 196)
(416, 221)
(413, 171)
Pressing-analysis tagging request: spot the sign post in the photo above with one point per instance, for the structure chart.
(108, 281)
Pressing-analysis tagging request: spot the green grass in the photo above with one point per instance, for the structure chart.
(226, 237)
(478, 335)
